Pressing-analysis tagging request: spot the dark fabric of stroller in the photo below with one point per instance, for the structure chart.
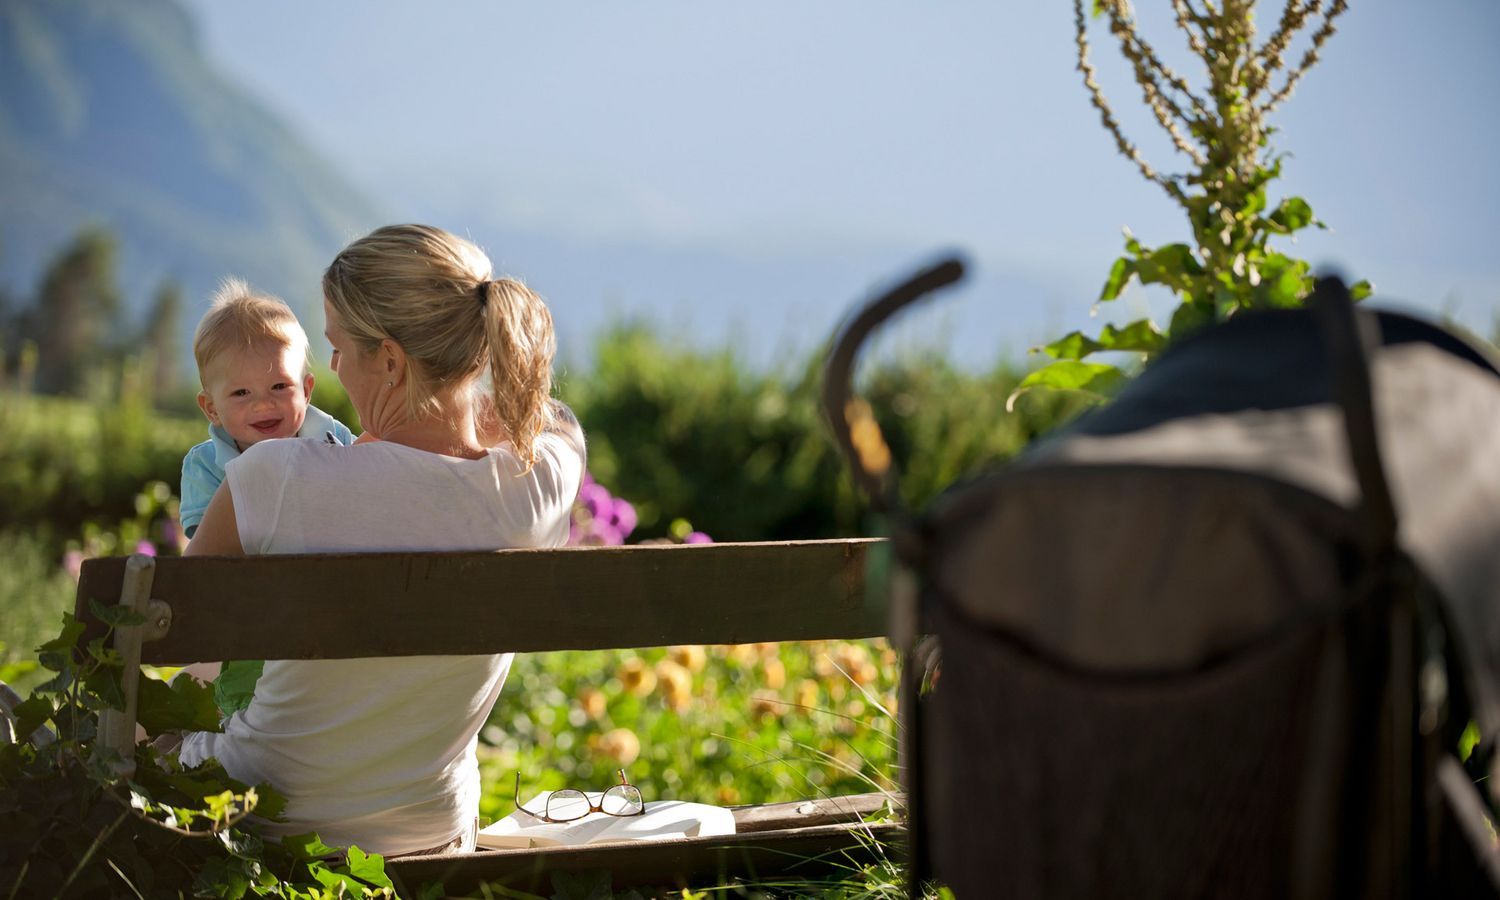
(1172, 664)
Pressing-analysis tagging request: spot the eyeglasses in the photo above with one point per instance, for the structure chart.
(567, 805)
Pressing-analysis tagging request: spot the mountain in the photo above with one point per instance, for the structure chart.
(111, 114)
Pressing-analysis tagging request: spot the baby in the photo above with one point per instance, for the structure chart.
(252, 362)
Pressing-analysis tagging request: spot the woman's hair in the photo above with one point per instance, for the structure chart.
(434, 294)
(238, 318)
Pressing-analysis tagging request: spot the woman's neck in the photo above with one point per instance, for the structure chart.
(447, 429)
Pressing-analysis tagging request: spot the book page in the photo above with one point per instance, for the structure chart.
(662, 820)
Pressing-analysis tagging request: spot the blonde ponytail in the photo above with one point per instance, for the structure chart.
(522, 343)
(434, 294)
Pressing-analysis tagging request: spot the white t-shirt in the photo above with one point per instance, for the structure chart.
(380, 752)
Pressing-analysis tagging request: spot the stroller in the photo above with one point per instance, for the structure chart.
(1219, 637)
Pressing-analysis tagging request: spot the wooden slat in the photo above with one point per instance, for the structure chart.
(817, 852)
(413, 604)
(803, 813)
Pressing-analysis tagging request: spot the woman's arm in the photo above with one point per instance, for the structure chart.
(219, 533)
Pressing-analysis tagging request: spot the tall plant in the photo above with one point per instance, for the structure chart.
(1222, 128)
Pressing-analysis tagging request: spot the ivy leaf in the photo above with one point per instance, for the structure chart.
(105, 684)
(369, 868)
(1119, 276)
(1140, 336)
(308, 846)
(115, 616)
(67, 639)
(1076, 345)
(1069, 375)
(269, 802)
(32, 714)
(1293, 214)
(184, 705)
(1359, 290)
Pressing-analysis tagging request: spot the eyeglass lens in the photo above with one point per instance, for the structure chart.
(620, 800)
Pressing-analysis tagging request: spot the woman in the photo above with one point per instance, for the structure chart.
(380, 752)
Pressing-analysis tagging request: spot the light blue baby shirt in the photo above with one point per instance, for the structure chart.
(203, 467)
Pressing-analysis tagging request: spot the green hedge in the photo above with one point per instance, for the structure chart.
(746, 455)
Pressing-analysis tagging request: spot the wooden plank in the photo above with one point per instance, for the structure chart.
(413, 604)
(819, 852)
(822, 811)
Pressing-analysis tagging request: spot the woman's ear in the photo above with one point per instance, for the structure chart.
(393, 360)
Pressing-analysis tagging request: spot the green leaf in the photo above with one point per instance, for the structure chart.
(1098, 9)
(1075, 345)
(31, 714)
(1189, 318)
(431, 891)
(67, 639)
(105, 684)
(1359, 290)
(1068, 375)
(1173, 265)
(183, 705)
(1140, 336)
(368, 867)
(269, 802)
(308, 846)
(1119, 276)
(115, 616)
(1293, 214)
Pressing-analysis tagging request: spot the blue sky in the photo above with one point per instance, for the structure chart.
(742, 174)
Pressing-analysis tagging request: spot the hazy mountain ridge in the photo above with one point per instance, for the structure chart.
(111, 114)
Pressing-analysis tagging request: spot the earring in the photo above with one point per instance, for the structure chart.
(390, 384)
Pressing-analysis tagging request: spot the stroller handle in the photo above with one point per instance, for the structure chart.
(854, 425)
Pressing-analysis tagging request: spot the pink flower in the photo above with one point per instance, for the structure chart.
(72, 563)
(145, 547)
(622, 516)
(596, 499)
(697, 537)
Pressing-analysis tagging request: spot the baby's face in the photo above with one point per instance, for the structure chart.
(258, 392)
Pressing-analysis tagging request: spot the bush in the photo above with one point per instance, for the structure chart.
(747, 455)
(64, 461)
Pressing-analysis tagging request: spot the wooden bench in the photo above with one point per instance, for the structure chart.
(414, 604)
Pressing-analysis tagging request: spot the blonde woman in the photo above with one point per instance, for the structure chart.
(380, 753)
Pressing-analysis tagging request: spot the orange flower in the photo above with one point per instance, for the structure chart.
(691, 657)
(764, 704)
(636, 677)
(728, 796)
(620, 745)
(743, 654)
(676, 683)
(775, 674)
(592, 702)
(807, 693)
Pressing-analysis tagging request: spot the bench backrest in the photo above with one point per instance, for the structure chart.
(413, 604)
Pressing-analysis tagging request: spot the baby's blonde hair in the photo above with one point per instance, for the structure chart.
(435, 295)
(238, 318)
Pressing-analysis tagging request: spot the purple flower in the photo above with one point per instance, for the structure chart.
(145, 547)
(602, 534)
(596, 499)
(697, 537)
(622, 516)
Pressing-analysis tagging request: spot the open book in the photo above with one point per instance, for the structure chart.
(662, 820)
